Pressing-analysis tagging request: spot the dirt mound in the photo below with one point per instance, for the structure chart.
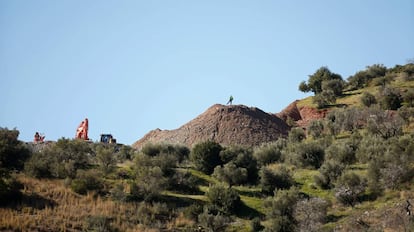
(227, 125)
(301, 115)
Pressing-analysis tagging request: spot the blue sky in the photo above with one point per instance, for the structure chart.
(133, 66)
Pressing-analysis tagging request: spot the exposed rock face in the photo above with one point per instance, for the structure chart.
(291, 111)
(227, 125)
(303, 115)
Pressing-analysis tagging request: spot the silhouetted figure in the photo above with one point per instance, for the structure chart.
(230, 100)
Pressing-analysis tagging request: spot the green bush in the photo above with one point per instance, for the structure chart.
(149, 183)
(408, 97)
(349, 188)
(371, 148)
(206, 156)
(324, 99)
(307, 155)
(368, 99)
(183, 182)
(60, 160)
(213, 222)
(296, 134)
(272, 179)
(88, 180)
(316, 128)
(342, 152)
(118, 193)
(179, 151)
(328, 173)
(106, 159)
(280, 211)
(226, 200)
(231, 174)
(267, 153)
(391, 99)
(13, 152)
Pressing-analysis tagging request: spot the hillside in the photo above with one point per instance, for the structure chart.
(352, 169)
(227, 125)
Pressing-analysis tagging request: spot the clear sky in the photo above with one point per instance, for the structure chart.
(133, 66)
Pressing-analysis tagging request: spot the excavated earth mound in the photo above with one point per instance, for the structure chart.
(301, 115)
(227, 125)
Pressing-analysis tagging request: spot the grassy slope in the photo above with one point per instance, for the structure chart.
(338, 214)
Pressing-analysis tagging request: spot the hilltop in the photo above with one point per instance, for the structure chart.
(227, 125)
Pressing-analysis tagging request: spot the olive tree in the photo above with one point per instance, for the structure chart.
(206, 156)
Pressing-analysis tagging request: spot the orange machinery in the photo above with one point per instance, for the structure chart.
(82, 131)
(38, 138)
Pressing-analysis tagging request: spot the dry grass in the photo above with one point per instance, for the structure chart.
(48, 205)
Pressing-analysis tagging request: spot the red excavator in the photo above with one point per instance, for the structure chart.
(82, 131)
(38, 138)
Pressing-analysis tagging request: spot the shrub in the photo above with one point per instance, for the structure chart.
(231, 174)
(183, 182)
(371, 148)
(179, 151)
(384, 124)
(87, 181)
(212, 222)
(324, 99)
(106, 159)
(242, 158)
(374, 184)
(408, 97)
(193, 211)
(13, 152)
(255, 225)
(391, 99)
(149, 182)
(310, 214)
(99, 223)
(342, 152)
(267, 153)
(406, 113)
(226, 200)
(328, 173)
(271, 179)
(39, 165)
(9, 189)
(154, 214)
(280, 209)
(368, 99)
(349, 188)
(308, 155)
(206, 156)
(118, 193)
(335, 86)
(296, 134)
(315, 128)
(247, 161)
